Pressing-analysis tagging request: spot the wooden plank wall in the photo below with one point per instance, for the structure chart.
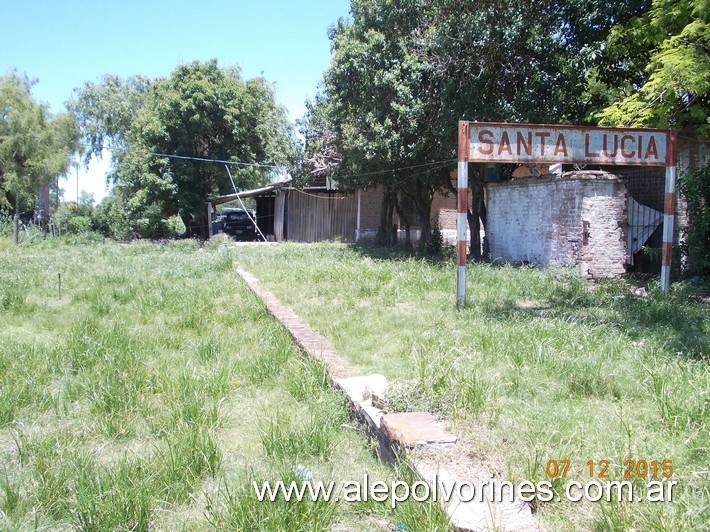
(279, 209)
(312, 217)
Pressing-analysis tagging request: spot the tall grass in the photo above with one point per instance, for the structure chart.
(240, 509)
(141, 397)
(540, 364)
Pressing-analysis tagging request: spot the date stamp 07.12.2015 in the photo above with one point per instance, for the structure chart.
(631, 480)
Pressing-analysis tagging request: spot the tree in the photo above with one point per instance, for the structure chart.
(663, 62)
(404, 72)
(106, 111)
(35, 147)
(695, 186)
(109, 218)
(157, 130)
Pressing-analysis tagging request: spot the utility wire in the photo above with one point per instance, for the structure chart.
(260, 165)
(201, 159)
(440, 163)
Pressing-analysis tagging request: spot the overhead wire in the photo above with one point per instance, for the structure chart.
(442, 163)
(436, 164)
(217, 161)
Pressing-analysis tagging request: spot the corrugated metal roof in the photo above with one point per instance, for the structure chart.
(218, 200)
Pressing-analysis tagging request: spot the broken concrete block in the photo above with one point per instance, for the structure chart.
(361, 389)
(416, 428)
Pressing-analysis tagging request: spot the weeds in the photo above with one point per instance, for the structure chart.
(128, 401)
(11, 503)
(190, 453)
(306, 379)
(446, 383)
(280, 439)
(539, 359)
(119, 498)
(240, 509)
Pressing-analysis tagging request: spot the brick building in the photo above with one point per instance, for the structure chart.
(443, 215)
(577, 219)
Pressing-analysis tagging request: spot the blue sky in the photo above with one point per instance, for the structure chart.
(64, 43)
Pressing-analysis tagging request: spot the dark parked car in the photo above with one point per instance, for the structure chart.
(238, 223)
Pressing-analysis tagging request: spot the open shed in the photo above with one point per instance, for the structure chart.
(270, 207)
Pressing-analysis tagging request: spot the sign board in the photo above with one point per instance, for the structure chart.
(554, 144)
(550, 144)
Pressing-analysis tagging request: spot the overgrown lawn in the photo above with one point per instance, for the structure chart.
(153, 390)
(540, 365)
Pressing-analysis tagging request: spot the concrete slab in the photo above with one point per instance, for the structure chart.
(362, 389)
(416, 428)
(480, 512)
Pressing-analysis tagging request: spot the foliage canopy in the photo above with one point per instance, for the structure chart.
(35, 147)
(201, 111)
(403, 73)
(664, 57)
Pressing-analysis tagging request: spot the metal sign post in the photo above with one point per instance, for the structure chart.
(668, 229)
(461, 216)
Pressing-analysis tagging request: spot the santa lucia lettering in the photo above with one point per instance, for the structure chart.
(602, 146)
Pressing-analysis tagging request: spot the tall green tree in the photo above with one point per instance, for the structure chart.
(662, 62)
(404, 72)
(35, 146)
(105, 111)
(157, 130)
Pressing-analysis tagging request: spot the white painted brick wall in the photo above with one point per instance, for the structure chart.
(542, 221)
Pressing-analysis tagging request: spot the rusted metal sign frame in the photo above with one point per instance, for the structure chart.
(567, 149)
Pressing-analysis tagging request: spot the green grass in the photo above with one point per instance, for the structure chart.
(540, 364)
(151, 393)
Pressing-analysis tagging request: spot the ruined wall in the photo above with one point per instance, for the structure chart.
(578, 219)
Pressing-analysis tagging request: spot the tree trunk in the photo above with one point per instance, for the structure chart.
(191, 226)
(386, 235)
(483, 216)
(16, 219)
(476, 215)
(405, 220)
(422, 202)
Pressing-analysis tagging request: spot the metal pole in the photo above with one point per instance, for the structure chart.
(16, 218)
(461, 218)
(668, 226)
(256, 225)
(359, 200)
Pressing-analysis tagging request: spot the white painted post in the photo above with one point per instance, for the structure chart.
(461, 218)
(209, 219)
(668, 229)
(359, 201)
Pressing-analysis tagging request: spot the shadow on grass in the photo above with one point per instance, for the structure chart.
(401, 252)
(672, 321)
(676, 323)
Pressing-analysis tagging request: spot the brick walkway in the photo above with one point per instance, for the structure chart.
(431, 451)
(307, 339)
